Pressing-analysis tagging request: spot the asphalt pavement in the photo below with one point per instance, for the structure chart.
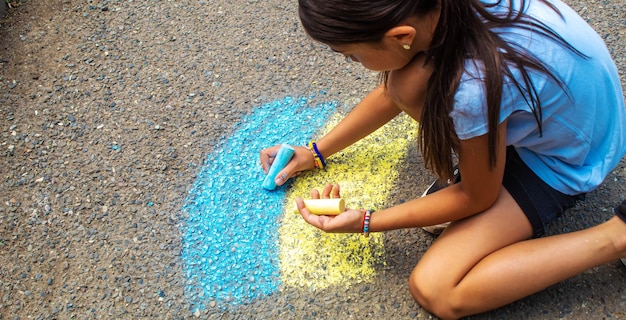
(129, 136)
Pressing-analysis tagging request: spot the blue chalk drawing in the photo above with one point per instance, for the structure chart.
(230, 239)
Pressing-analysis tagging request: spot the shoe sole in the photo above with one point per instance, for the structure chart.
(429, 187)
(438, 228)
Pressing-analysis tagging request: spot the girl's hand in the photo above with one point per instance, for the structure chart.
(349, 221)
(302, 160)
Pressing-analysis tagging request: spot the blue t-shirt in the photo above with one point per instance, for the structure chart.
(584, 127)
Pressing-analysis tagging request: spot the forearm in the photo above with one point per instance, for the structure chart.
(478, 190)
(446, 205)
(375, 110)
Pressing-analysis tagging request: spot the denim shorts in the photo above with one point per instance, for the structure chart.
(540, 202)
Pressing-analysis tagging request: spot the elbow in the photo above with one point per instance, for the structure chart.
(481, 199)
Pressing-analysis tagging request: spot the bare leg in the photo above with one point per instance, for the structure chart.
(484, 262)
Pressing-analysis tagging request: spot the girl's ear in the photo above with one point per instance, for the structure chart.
(403, 35)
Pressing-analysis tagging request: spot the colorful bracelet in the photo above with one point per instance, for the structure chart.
(316, 160)
(317, 156)
(366, 222)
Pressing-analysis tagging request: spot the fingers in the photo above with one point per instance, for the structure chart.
(347, 221)
(267, 157)
(331, 191)
(301, 206)
(302, 209)
(335, 192)
(281, 178)
(307, 215)
(326, 192)
(301, 160)
(291, 169)
(285, 174)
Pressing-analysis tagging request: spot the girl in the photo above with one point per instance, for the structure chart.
(524, 94)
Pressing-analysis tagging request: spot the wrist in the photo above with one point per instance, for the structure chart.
(318, 158)
(366, 222)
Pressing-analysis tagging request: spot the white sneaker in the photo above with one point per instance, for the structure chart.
(437, 229)
(623, 260)
(434, 187)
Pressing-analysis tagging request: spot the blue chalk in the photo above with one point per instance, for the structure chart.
(229, 254)
(282, 158)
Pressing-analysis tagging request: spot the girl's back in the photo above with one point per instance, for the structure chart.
(579, 127)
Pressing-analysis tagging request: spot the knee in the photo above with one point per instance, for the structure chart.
(434, 296)
(418, 291)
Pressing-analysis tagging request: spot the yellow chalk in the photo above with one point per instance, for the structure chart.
(327, 207)
(367, 172)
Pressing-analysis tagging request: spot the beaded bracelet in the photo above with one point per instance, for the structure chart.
(316, 161)
(366, 222)
(317, 156)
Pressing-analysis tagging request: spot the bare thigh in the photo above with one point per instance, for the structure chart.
(465, 243)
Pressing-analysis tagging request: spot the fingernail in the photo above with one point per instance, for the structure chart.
(281, 178)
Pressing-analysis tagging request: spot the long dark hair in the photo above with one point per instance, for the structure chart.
(464, 31)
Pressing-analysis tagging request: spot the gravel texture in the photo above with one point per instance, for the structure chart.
(109, 109)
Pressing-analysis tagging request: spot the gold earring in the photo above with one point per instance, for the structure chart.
(406, 47)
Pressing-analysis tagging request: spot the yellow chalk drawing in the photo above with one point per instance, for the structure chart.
(366, 171)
